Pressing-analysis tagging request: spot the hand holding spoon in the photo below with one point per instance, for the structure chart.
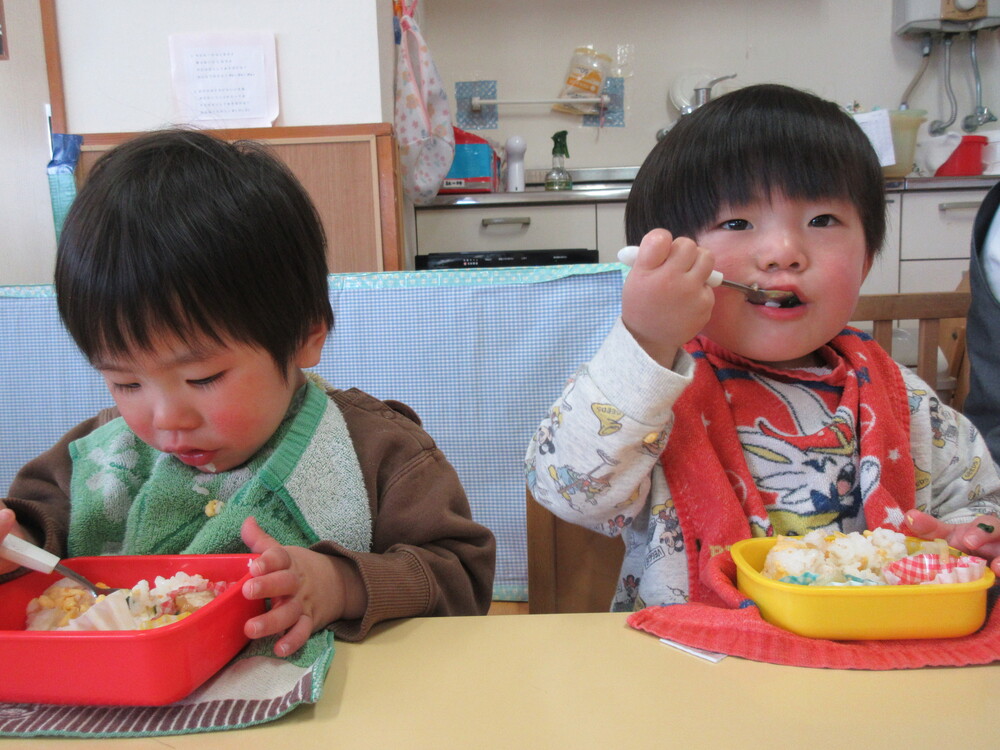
(754, 294)
(30, 556)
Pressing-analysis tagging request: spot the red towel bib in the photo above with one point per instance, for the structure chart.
(713, 490)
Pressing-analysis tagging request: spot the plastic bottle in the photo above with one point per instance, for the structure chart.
(515, 149)
(558, 178)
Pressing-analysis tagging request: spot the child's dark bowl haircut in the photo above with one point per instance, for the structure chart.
(180, 234)
(746, 145)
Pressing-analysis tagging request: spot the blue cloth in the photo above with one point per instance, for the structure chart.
(62, 183)
(479, 354)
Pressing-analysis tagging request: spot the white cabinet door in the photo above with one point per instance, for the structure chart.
(610, 231)
(937, 224)
(935, 237)
(458, 230)
(931, 275)
(883, 278)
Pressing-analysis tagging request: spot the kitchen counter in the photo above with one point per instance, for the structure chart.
(613, 184)
(929, 220)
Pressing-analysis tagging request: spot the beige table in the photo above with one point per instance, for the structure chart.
(589, 681)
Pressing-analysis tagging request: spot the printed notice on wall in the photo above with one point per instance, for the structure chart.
(225, 80)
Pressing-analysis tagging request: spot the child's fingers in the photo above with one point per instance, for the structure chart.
(984, 531)
(982, 536)
(7, 520)
(926, 526)
(282, 616)
(704, 264)
(281, 582)
(654, 249)
(254, 537)
(295, 638)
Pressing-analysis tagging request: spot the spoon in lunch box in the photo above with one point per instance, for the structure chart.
(754, 294)
(31, 556)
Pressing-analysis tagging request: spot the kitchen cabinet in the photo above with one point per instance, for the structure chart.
(935, 235)
(523, 226)
(883, 278)
(610, 230)
(514, 227)
(349, 172)
(926, 248)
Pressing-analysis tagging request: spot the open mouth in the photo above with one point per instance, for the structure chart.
(787, 299)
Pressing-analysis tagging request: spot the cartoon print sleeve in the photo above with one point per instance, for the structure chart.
(957, 479)
(591, 458)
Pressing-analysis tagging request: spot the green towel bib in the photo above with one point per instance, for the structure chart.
(303, 486)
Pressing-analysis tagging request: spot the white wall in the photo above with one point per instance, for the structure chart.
(117, 76)
(335, 66)
(116, 62)
(27, 242)
(844, 50)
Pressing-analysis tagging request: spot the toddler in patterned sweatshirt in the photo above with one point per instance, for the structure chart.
(705, 418)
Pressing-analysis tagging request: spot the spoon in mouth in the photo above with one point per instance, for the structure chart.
(754, 294)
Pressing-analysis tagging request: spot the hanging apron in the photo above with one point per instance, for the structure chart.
(422, 116)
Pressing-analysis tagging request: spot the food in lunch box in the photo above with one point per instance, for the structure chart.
(881, 556)
(66, 605)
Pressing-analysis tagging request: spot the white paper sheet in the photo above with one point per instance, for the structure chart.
(225, 80)
(879, 131)
(711, 656)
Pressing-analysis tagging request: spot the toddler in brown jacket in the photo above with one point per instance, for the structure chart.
(191, 272)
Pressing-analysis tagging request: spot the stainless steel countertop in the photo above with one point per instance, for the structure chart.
(613, 184)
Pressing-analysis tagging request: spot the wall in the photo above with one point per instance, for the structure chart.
(116, 63)
(27, 250)
(844, 50)
(335, 66)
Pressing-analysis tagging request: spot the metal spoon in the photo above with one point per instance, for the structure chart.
(754, 293)
(31, 556)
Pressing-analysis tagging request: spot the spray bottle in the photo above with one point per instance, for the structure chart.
(558, 178)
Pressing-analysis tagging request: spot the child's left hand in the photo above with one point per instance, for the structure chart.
(980, 537)
(308, 590)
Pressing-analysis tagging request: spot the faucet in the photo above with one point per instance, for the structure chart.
(702, 95)
(982, 114)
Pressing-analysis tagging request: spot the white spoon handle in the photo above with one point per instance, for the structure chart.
(629, 253)
(27, 554)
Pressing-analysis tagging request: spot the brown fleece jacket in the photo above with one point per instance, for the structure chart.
(428, 556)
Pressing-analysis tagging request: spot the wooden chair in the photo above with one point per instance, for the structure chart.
(570, 568)
(940, 319)
(573, 569)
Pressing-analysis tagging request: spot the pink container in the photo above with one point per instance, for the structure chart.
(966, 160)
(123, 667)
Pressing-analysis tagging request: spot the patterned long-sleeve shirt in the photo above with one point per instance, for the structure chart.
(595, 461)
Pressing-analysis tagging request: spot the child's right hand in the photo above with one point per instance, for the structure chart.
(665, 300)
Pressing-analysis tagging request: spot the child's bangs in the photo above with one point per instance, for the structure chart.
(800, 167)
(119, 328)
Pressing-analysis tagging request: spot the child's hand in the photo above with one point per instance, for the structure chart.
(308, 590)
(980, 537)
(665, 300)
(7, 525)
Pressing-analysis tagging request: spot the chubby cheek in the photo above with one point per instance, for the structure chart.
(138, 418)
(240, 420)
(728, 314)
(248, 419)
